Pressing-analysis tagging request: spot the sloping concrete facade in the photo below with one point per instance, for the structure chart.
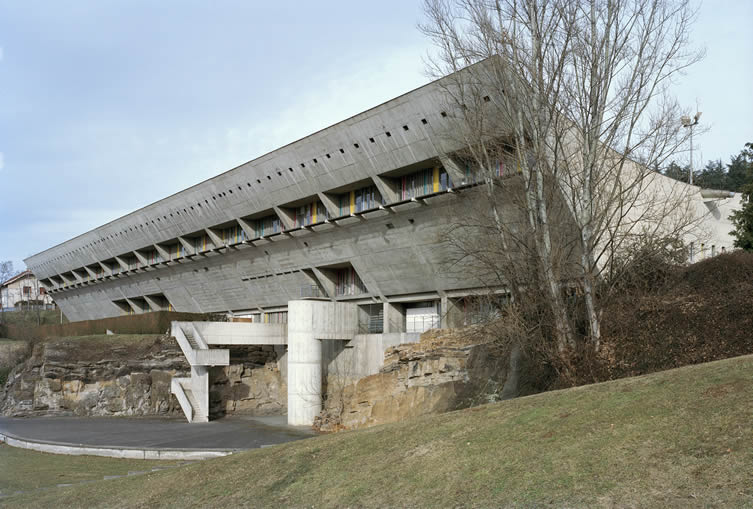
(148, 259)
(289, 225)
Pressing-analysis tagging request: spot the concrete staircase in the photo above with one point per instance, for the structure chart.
(193, 393)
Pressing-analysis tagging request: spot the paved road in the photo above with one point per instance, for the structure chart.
(153, 433)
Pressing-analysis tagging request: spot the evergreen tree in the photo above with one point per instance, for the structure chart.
(713, 176)
(738, 171)
(743, 219)
(677, 172)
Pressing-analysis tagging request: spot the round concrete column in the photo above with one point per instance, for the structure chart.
(304, 365)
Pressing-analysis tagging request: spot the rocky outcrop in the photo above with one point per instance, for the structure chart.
(96, 376)
(416, 381)
(251, 385)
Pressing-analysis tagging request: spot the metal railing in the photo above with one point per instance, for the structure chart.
(311, 291)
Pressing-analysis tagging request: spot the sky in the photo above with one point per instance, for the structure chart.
(107, 106)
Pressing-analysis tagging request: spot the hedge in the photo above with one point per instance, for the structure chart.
(147, 323)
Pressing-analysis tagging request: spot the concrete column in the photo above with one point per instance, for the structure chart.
(282, 360)
(310, 322)
(394, 318)
(304, 365)
(200, 389)
(451, 315)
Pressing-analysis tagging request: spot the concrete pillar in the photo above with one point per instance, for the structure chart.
(452, 315)
(282, 360)
(304, 365)
(394, 318)
(200, 389)
(310, 322)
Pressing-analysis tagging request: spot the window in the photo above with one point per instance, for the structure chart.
(176, 251)
(311, 213)
(233, 235)
(277, 317)
(267, 226)
(201, 243)
(359, 200)
(348, 283)
(430, 180)
(27, 291)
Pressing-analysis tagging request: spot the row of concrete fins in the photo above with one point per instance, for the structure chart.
(193, 393)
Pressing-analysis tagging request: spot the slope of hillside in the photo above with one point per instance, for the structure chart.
(679, 438)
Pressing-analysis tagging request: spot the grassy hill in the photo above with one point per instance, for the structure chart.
(679, 438)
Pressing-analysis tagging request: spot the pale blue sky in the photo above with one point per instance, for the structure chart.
(107, 106)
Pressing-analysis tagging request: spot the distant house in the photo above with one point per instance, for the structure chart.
(24, 290)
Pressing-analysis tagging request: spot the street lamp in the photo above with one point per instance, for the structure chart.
(688, 122)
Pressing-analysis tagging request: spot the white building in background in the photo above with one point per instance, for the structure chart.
(24, 289)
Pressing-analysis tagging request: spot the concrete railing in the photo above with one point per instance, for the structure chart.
(212, 357)
(185, 346)
(240, 333)
(177, 389)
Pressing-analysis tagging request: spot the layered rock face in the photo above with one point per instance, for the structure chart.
(131, 375)
(416, 379)
(12, 353)
(96, 376)
(253, 383)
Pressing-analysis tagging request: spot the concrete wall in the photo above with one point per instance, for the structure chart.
(362, 356)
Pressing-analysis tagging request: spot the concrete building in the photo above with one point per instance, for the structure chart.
(24, 290)
(334, 237)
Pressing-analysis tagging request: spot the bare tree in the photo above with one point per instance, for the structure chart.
(572, 97)
(6, 272)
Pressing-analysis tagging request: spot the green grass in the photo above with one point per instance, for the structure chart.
(24, 470)
(680, 438)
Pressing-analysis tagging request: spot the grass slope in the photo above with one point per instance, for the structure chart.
(24, 470)
(679, 438)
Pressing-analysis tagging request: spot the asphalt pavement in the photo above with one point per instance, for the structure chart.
(229, 433)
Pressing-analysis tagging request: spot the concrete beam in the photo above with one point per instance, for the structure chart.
(287, 221)
(394, 318)
(187, 246)
(216, 240)
(141, 258)
(326, 283)
(241, 333)
(329, 204)
(385, 189)
(107, 271)
(164, 253)
(457, 175)
(123, 264)
(134, 307)
(152, 303)
(246, 228)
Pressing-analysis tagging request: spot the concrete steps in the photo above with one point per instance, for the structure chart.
(196, 415)
(191, 340)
